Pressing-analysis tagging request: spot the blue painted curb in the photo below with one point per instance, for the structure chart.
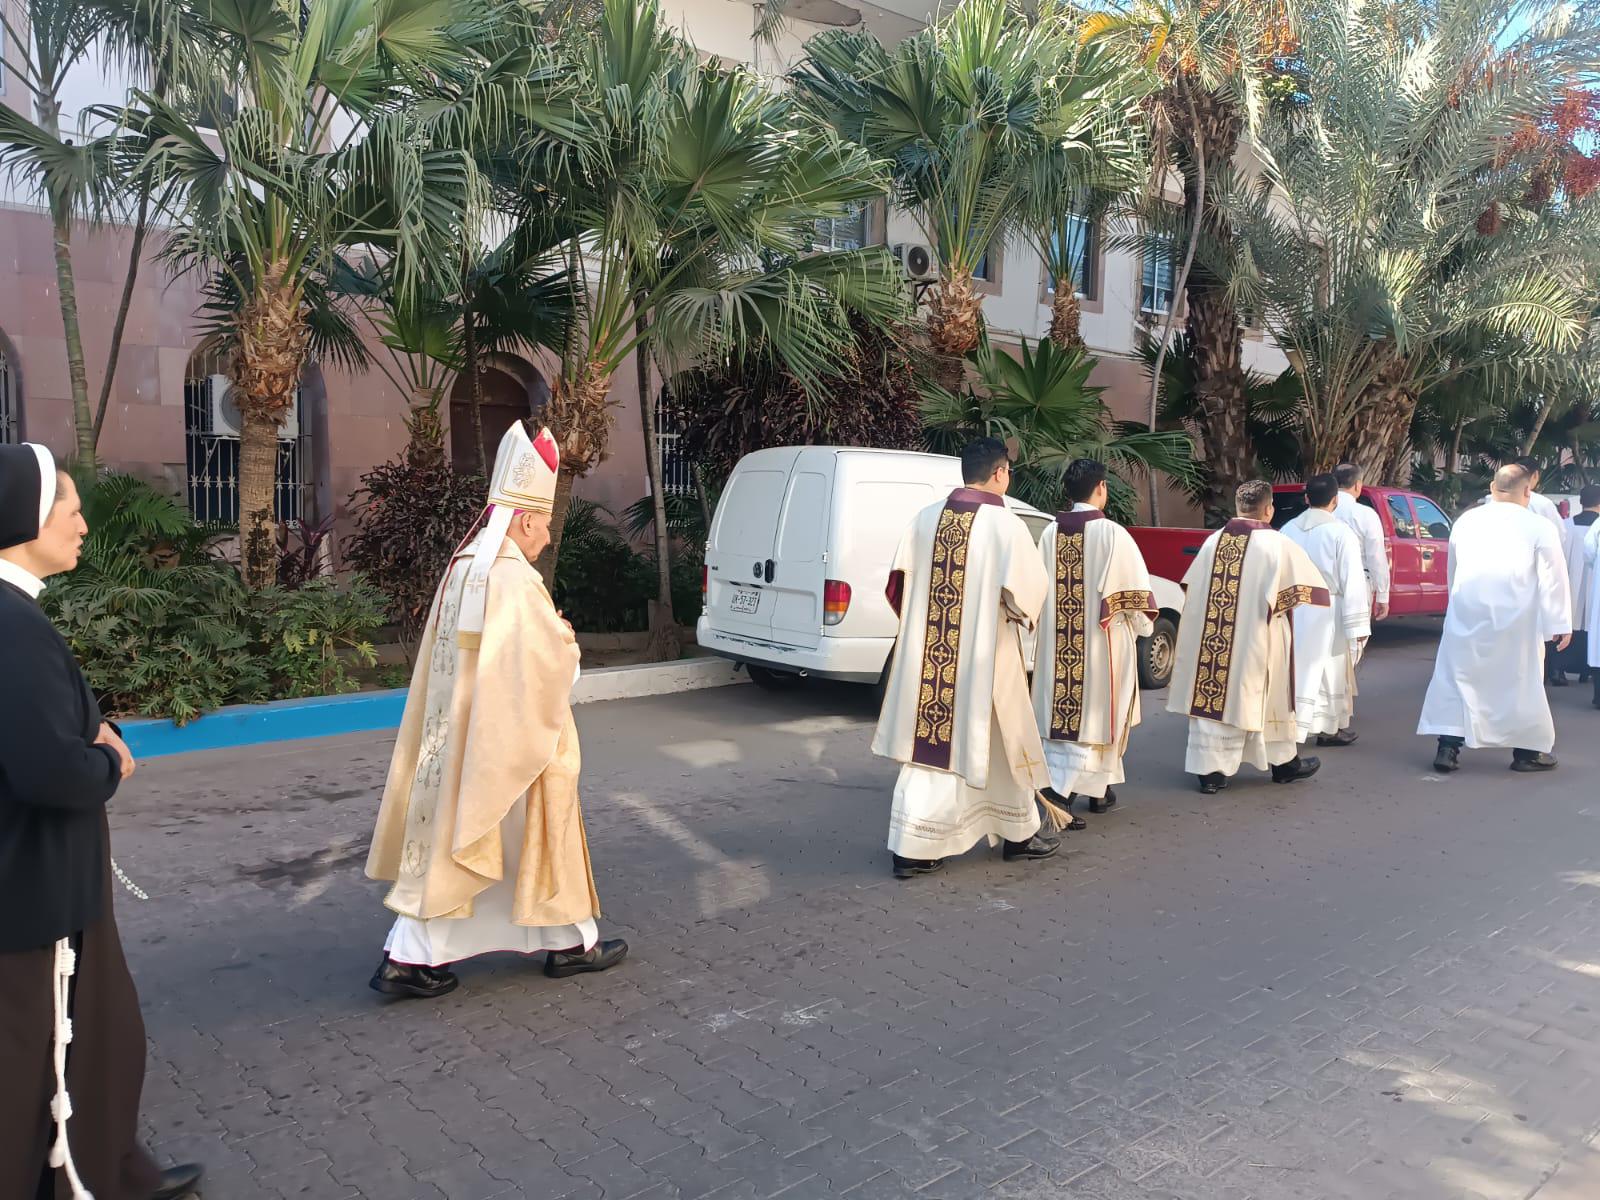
(255, 724)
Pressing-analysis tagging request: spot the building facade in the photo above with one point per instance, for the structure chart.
(167, 418)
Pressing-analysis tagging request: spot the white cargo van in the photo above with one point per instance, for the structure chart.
(799, 556)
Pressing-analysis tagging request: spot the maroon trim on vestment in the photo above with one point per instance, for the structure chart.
(965, 499)
(1210, 696)
(941, 650)
(1073, 522)
(895, 590)
(1245, 525)
(1122, 602)
(1300, 593)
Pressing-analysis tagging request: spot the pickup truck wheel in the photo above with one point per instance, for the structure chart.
(1156, 655)
(773, 681)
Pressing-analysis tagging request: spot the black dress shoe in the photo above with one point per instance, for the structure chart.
(1296, 769)
(907, 868)
(602, 956)
(402, 979)
(1448, 759)
(177, 1182)
(1103, 803)
(1213, 783)
(1344, 737)
(1535, 762)
(1038, 846)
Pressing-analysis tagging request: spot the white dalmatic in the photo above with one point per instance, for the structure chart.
(966, 581)
(1509, 595)
(1086, 672)
(1328, 641)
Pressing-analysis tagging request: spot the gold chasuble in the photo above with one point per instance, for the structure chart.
(487, 747)
(1085, 677)
(966, 582)
(1235, 660)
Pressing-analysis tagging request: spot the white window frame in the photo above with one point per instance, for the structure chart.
(825, 236)
(1090, 256)
(1148, 266)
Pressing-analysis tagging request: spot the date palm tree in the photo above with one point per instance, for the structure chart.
(690, 190)
(323, 128)
(1395, 252)
(964, 111)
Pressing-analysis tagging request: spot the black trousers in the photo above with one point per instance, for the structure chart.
(1446, 739)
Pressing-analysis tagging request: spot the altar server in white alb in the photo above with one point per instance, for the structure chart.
(1591, 559)
(1234, 673)
(966, 582)
(1580, 573)
(1542, 506)
(1362, 520)
(1509, 596)
(480, 831)
(1086, 672)
(1328, 641)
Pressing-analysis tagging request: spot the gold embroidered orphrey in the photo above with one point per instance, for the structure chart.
(1216, 636)
(1066, 709)
(1293, 597)
(936, 697)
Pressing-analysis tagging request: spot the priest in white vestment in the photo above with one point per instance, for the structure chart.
(966, 582)
(1591, 558)
(1581, 575)
(1509, 597)
(1328, 641)
(1086, 670)
(1234, 673)
(1362, 520)
(480, 831)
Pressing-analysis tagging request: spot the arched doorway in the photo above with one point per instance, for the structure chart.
(10, 394)
(511, 388)
(211, 438)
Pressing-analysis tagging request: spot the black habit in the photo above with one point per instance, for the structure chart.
(55, 882)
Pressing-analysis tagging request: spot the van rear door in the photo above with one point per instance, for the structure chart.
(742, 544)
(799, 561)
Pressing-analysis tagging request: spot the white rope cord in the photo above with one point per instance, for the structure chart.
(66, 966)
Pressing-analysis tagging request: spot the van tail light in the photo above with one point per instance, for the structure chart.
(835, 601)
(705, 583)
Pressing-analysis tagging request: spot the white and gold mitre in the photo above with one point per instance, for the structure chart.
(524, 480)
(525, 470)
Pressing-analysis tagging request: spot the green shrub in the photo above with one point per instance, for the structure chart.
(602, 584)
(164, 627)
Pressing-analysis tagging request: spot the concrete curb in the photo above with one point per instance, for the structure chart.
(370, 712)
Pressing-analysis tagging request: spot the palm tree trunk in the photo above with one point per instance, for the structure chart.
(1178, 286)
(1538, 425)
(663, 645)
(953, 311)
(141, 227)
(558, 520)
(66, 285)
(258, 485)
(1066, 316)
(469, 349)
(1454, 466)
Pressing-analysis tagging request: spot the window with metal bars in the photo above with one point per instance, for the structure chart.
(677, 472)
(213, 463)
(9, 431)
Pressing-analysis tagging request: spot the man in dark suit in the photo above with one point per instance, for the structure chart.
(71, 1036)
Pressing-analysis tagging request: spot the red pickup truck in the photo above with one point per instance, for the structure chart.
(1416, 532)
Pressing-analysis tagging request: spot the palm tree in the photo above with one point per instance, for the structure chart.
(1214, 62)
(965, 111)
(1395, 252)
(1044, 400)
(328, 130)
(690, 190)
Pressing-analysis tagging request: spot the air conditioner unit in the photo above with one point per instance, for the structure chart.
(227, 421)
(915, 260)
(225, 418)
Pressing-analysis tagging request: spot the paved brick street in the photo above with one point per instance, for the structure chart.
(1377, 984)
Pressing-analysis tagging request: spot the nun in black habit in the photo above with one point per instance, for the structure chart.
(71, 1037)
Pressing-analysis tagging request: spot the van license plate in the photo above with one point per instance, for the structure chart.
(745, 600)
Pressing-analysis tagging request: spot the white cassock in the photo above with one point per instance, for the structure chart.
(1580, 571)
(1509, 595)
(1086, 671)
(1541, 505)
(1233, 676)
(1327, 641)
(1364, 523)
(966, 581)
(492, 927)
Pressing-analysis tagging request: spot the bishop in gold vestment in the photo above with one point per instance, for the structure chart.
(966, 582)
(480, 831)
(1234, 673)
